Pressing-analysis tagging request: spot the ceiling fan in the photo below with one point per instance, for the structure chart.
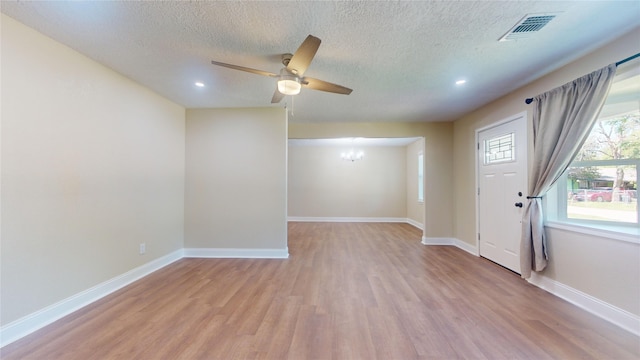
(290, 79)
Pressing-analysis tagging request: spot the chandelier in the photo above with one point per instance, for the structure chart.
(352, 155)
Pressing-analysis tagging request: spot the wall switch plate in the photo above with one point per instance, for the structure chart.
(143, 248)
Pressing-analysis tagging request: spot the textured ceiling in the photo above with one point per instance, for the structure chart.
(400, 58)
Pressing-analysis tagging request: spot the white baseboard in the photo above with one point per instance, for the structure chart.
(471, 249)
(41, 318)
(237, 253)
(347, 219)
(450, 241)
(606, 311)
(437, 241)
(415, 223)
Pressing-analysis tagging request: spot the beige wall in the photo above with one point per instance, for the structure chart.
(321, 184)
(236, 179)
(438, 137)
(92, 166)
(415, 209)
(597, 266)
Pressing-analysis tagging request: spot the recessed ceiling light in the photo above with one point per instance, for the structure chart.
(199, 84)
(460, 82)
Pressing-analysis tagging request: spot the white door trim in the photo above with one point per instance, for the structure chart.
(477, 167)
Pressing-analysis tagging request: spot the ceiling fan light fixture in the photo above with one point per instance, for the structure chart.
(290, 79)
(288, 83)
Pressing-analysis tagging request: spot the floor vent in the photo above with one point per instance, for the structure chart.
(526, 26)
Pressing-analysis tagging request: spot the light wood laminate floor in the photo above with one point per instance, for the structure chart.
(348, 291)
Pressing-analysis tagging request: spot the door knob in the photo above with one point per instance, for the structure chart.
(519, 204)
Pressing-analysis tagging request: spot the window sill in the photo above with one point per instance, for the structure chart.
(620, 233)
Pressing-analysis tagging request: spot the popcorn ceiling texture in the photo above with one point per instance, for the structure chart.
(401, 58)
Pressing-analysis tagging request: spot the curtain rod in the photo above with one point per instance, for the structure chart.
(530, 100)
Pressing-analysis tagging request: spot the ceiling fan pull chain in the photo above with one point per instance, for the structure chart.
(292, 100)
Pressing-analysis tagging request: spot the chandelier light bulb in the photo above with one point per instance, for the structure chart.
(352, 156)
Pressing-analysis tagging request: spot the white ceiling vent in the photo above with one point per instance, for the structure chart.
(527, 25)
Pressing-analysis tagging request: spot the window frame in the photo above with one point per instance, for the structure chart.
(420, 177)
(562, 215)
(555, 202)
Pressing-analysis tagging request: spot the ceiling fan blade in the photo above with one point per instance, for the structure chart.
(302, 58)
(277, 96)
(321, 85)
(242, 68)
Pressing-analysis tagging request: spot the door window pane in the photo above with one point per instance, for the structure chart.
(499, 149)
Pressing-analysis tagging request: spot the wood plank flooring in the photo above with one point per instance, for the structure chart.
(348, 291)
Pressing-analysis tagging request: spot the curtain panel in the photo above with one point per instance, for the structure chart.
(562, 121)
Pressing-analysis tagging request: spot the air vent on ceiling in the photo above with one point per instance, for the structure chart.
(528, 25)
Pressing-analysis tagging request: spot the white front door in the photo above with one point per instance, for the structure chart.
(502, 187)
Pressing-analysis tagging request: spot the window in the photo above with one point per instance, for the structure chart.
(499, 149)
(420, 177)
(600, 188)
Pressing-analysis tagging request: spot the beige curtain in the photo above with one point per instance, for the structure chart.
(562, 121)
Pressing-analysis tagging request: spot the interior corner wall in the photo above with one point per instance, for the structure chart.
(236, 179)
(92, 166)
(604, 268)
(322, 185)
(415, 208)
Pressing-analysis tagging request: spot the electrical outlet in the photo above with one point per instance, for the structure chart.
(143, 248)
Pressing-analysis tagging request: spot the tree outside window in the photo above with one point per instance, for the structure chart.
(602, 181)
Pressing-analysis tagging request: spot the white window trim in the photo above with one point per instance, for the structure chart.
(555, 201)
(420, 178)
(625, 234)
(557, 216)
